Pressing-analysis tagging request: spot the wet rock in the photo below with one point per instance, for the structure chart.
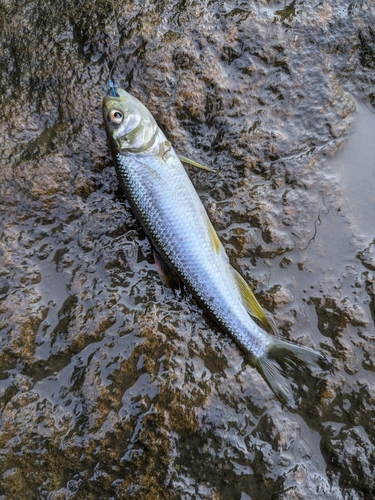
(111, 386)
(367, 256)
(278, 297)
(353, 452)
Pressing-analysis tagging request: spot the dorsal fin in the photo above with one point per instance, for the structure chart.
(216, 243)
(252, 305)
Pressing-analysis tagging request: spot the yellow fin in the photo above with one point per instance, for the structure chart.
(213, 236)
(195, 163)
(252, 305)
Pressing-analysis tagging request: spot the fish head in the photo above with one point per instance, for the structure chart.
(129, 125)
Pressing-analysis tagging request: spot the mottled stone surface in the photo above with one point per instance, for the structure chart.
(110, 385)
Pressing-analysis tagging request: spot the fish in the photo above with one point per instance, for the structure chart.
(186, 246)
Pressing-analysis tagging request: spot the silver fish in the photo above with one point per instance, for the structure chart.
(185, 243)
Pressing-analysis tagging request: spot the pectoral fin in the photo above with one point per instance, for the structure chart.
(164, 149)
(252, 305)
(195, 163)
(167, 275)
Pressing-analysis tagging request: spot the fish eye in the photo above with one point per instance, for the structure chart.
(115, 117)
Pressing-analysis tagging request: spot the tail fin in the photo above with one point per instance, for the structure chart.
(283, 357)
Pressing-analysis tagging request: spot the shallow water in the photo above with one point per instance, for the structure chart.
(110, 385)
(354, 167)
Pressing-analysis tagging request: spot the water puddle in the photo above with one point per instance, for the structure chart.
(348, 212)
(354, 166)
(54, 294)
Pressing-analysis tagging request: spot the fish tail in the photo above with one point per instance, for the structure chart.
(282, 358)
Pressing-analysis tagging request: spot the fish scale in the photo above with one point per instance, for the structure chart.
(167, 211)
(172, 214)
